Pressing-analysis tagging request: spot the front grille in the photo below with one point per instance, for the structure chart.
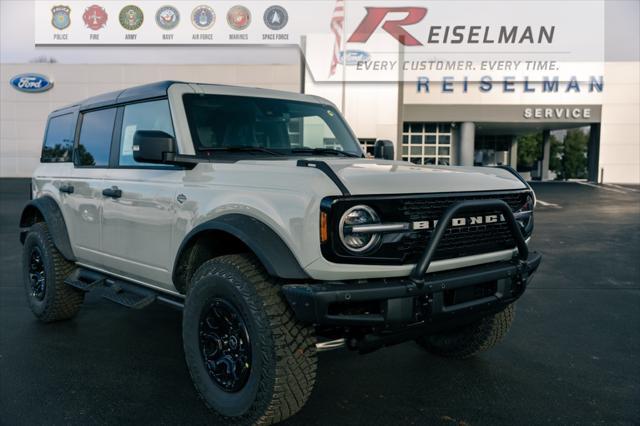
(458, 241)
(407, 248)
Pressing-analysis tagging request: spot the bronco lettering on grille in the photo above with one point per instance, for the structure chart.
(460, 221)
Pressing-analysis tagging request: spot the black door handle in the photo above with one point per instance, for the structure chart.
(113, 192)
(67, 189)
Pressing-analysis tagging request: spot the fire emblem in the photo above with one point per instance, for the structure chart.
(95, 17)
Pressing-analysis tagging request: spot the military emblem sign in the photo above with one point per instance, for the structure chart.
(203, 17)
(276, 17)
(131, 17)
(95, 17)
(61, 17)
(167, 17)
(239, 18)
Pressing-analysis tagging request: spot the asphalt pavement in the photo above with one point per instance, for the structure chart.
(572, 356)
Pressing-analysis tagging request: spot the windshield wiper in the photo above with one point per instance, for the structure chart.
(324, 151)
(240, 149)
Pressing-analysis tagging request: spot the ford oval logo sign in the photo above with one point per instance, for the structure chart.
(353, 57)
(31, 83)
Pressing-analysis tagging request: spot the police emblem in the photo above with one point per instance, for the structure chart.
(203, 17)
(95, 17)
(239, 17)
(276, 17)
(167, 17)
(131, 17)
(61, 17)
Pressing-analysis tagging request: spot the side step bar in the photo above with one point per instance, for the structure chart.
(128, 294)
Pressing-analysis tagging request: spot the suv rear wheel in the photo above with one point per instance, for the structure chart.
(249, 359)
(44, 271)
(472, 339)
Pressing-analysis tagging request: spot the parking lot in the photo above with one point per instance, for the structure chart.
(572, 356)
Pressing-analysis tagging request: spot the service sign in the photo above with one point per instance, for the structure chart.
(31, 83)
(359, 40)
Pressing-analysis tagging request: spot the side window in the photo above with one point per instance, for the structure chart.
(143, 116)
(96, 132)
(58, 142)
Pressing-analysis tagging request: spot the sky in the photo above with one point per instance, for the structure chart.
(622, 41)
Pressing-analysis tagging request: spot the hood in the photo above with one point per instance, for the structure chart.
(393, 177)
(365, 176)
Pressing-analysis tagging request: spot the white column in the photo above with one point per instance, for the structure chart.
(513, 153)
(546, 154)
(467, 143)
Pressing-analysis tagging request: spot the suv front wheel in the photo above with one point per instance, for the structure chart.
(250, 360)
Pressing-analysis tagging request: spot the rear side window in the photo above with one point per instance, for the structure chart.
(96, 132)
(153, 115)
(58, 142)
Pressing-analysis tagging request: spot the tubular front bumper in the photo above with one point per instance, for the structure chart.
(461, 294)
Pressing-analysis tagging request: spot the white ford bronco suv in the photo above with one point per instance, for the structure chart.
(256, 213)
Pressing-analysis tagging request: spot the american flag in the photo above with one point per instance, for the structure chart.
(337, 28)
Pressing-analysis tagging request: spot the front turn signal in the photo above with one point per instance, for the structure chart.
(324, 233)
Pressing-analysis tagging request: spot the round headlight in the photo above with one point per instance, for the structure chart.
(358, 242)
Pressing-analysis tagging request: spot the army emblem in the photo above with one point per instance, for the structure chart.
(167, 17)
(203, 17)
(131, 17)
(276, 17)
(239, 17)
(95, 17)
(61, 17)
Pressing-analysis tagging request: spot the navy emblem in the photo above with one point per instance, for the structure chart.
(61, 17)
(167, 17)
(276, 17)
(131, 17)
(239, 17)
(203, 17)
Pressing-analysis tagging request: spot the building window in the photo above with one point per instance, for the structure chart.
(368, 146)
(426, 143)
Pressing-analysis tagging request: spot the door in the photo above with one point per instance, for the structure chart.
(139, 214)
(83, 202)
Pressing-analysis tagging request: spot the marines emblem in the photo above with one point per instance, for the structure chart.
(61, 17)
(239, 17)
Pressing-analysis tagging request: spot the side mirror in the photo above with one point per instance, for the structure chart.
(152, 146)
(383, 149)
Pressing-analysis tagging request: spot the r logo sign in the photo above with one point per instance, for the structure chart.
(376, 15)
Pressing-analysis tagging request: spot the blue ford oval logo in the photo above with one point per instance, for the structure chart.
(31, 83)
(353, 57)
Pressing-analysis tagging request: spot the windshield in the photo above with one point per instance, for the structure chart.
(262, 126)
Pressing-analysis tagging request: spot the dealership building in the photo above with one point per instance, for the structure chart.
(430, 121)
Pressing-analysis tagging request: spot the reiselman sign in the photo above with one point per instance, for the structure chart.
(356, 40)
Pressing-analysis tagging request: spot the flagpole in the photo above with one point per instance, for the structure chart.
(344, 60)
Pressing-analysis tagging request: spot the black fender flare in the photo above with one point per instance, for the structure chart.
(49, 210)
(274, 254)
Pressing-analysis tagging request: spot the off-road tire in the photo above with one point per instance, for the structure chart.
(60, 301)
(472, 339)
(283, 352)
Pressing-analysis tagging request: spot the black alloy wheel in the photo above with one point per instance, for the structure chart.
(37, 275)
(225, 345)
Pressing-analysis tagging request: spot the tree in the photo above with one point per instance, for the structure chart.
(574, 156)
(568, 158)
(530, 151)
